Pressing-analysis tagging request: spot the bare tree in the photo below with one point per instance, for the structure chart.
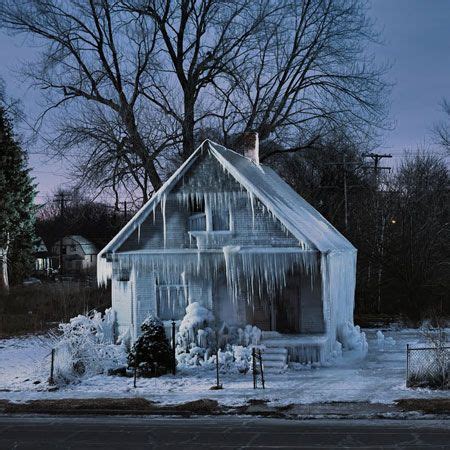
(442, 129)
(200, 42)
(308, 75)
(132, 79)
(94, 53)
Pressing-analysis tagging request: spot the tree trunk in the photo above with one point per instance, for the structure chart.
(140, 150)
(4, 283)
(188, 126)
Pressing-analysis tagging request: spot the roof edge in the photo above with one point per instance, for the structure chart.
(149, 206)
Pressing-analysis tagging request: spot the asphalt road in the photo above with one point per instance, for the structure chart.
(32, 432)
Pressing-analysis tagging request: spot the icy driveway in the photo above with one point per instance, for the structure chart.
(379, 378)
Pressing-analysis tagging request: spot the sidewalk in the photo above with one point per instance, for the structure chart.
(402, 409)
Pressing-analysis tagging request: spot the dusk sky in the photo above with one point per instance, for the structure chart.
(416, 42)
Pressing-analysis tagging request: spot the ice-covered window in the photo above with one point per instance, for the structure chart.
(123, 274)
(221, 220)
(197, 217)
(171, 301)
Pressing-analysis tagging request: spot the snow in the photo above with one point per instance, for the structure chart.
(380, 377)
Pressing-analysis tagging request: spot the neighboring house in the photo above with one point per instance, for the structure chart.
(42, 257)
(229, 233)
(78, 254)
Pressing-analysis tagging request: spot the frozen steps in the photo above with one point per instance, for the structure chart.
(270, 335)
(274, 358)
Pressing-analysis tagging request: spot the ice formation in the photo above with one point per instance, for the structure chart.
(196, 316)
(352, 338)
(86, 347)
(383, 341)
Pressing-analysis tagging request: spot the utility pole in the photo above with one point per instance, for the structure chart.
(60, 198)
(376, 158)
(344, 164)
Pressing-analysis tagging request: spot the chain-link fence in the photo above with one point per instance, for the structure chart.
(428, 366)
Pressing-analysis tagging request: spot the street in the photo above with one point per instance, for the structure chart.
(33, 432)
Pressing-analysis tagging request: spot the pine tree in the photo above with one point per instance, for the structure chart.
(151, 348)
(17, 211)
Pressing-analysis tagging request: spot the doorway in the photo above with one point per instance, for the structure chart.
(287, 308)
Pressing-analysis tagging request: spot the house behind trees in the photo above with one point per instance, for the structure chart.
(78, 255)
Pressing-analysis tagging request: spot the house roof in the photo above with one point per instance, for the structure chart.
(297, 215)
(88, 247)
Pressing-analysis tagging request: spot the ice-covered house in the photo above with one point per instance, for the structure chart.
(229, 233)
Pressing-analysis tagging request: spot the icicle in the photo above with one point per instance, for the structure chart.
(163, 210)
(139, 234)
(252, 204)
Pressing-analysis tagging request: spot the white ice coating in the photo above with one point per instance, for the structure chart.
(320, 246)
(264, 269)
(246, 268)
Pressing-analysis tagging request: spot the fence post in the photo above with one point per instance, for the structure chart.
(254, 367)
(261, 368)
(407, 365)
(52, 368)
(444, 367)
(174, 357)
(134, 377)
(217, 369)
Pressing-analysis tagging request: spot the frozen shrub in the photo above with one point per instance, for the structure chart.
(352, 338)
(86, 348)
(195, 326)
(151, 353)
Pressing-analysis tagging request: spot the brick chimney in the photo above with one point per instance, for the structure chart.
(248, 144)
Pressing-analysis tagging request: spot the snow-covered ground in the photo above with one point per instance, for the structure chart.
(379, 378)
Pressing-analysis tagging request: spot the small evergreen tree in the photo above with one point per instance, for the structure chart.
(151, 348)
(17, 210)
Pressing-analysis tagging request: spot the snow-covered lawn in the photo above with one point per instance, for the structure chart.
(379, 378)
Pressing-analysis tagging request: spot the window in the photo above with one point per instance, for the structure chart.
(123, 274)
(171, 301)
(221, 220)
(197, 218)
(196, 205)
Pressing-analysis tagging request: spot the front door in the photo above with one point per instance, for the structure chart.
(287, 308)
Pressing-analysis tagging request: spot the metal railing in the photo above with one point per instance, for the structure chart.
(257, 368)
(428, 366)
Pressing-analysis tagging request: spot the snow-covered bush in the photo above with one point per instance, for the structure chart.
(151, 352)
(352, 338)
(86, 347)
(250, 335)
(196, 327)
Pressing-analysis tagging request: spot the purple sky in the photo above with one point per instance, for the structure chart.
(417, 42)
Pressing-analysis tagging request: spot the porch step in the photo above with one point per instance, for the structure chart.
(270, 335)
(275, 347)
(274, 359)
(274, 356)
